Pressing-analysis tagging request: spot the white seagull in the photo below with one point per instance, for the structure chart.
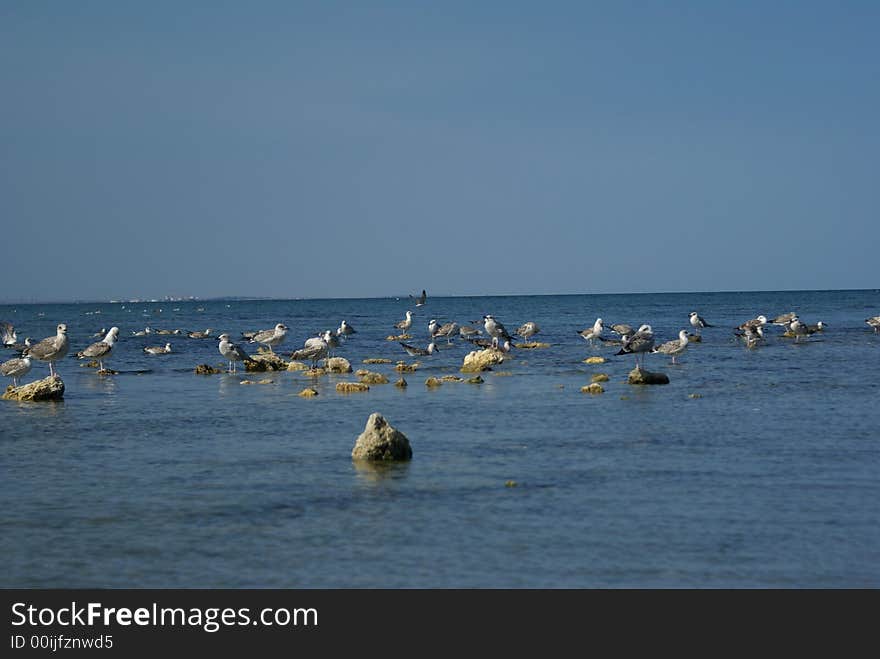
(405, 323)
(697, 321)
(495, 330)
(594, 332)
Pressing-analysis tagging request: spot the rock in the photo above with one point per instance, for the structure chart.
(451, 378)
(481, 360)
(433, 382)
(265, 361)
(205, 369)
(338, 365)
(695, 395)
(361, 372)
(315, 372)
(108, 371)
(594, 360)
(399, 337)
(263, 381)
(401, 383)
(49, 388)
(373, 378)
(351, 387)
(640, 376)
(475, 380)
(403, 367)
(510, 484)
(308, 393)
(91, 364)
(381, 441)
(600, 377)
(531, 346)
(594, 388)
(377, 361)
(297, 366)
(695, 338)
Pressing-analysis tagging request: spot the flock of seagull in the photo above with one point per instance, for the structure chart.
(638, 342)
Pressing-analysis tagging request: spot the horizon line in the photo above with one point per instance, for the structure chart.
(246, 298)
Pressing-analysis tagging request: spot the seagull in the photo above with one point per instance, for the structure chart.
(433, 326)
(405, 323)
(52, 349)
(19, 347)
(345, 329)
(528, 330)
(467, 332)
(751, 335)
(271, 337)
(818, 327)
(200, 335)
(232, 352)
(7, 333)
(100, 350)
(16, 368)
(420, 301)
(158, 350)
(415, 351)
(495, 330)
(874, 323)
(595, 332)
(142, 332)
(697, 321)
(315, 348)
(622, 329)
(755, 322)
(784, 319)
(640, 342)
(674, 348)
(797, 328)
(447, 331)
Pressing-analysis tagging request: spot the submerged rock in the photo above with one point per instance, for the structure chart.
(403, 367)
(108, 371)
(351, 387)
(401, 383)
(594, 388)
(533, 345)
(314, 372)
(373, 378)
(594, 360)
(475, 380)
(451, 378)
(265, 361)
(398, 337)
(695, 338)
(308, 393)
(297, 366)
(338, 365)
(49, 388)
(377, 360)
(433, 382)
(600, 377)
(207, 369)
(481, 360)
(641, 376)
(381, 441)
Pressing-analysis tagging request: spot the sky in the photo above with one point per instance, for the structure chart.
(370, 149)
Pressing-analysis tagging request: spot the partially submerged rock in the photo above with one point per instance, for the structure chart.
(373, 378)
(49, 388)
(399, 337)
(91, 364)
(265, 361)
(594, 388)
(594, 360)
(451, 378)
(641, 376)
(297, 366)
(315, 372)
(481, 360)
(308, 393)
(108, 371)
(401, 383)
(433, 382)
(381, 441)
(403, 367)
(338, 365)
(695, 338)
(263, 381)
(377, 360)
(600, 377)
(207, 369)
(533, 345)
(351, 387)
(475, 380)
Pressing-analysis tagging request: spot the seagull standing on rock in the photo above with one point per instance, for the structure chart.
(52, 349)
(231, 352)
(100, 350)
(271, 337)
(495, 330)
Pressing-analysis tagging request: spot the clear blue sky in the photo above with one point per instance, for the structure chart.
(327, 149)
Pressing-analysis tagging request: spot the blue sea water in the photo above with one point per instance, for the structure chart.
(157, 477)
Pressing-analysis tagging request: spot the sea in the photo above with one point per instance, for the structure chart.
(751, 468)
